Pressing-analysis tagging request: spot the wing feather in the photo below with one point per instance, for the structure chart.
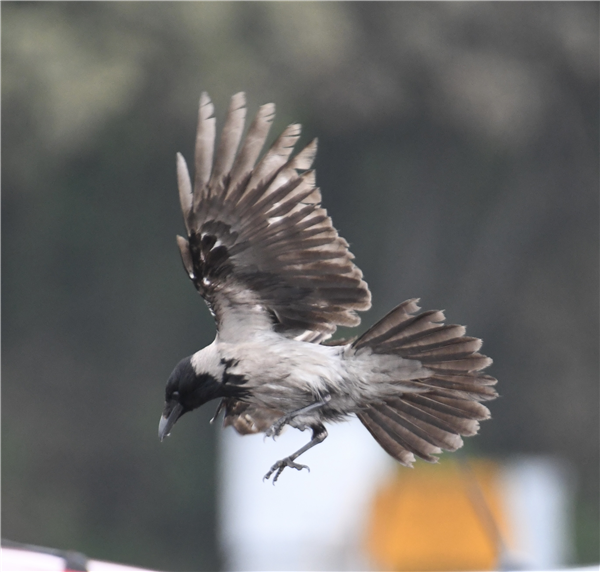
(230, 137)
(276, 156)
(255, 139)
(260, 248)
(205, 141)
(184, 184)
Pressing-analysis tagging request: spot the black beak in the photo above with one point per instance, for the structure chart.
(166, 423)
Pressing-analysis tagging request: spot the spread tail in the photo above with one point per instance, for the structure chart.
(447, 405)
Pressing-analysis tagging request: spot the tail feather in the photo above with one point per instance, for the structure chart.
(431, 434)
(433, 336)
(457, 363)
(447, 405)
(409, 439)
(461, 408)
(463, 346)
(390, 444)
(444, 386)
(434, 423)
(409, 327)
(459, 425)
(388, 322)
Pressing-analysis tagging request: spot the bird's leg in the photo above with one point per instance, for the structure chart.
(276, 428)
(319, 434)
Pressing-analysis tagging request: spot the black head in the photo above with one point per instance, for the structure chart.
(186, 390)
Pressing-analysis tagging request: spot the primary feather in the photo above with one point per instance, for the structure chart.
(259, 244)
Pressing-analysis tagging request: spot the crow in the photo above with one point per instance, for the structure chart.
(279, 280)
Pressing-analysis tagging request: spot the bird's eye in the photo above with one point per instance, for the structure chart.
(175, 395)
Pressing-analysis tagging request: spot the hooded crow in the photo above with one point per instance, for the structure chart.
(278, 279)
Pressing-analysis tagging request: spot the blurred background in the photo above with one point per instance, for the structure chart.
(459, 157)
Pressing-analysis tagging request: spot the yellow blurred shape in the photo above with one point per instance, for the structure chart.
(424, 519)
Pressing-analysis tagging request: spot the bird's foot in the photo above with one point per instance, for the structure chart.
(278, 467)
(277, 427)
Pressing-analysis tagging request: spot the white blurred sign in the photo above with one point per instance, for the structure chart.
(306, 521)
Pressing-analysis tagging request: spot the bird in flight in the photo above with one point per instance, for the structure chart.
(279, 280)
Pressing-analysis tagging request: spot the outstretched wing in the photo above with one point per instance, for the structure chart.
(260, 248)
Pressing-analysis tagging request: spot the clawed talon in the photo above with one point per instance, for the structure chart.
(276, 429)
(319, 433)
(278, 467)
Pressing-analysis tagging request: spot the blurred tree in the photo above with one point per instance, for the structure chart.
(458, 155)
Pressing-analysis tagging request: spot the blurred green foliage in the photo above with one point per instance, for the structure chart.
(458, 155)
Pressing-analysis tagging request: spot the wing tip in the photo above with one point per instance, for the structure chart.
(206, 106)
(267, 112)
(238, 100)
